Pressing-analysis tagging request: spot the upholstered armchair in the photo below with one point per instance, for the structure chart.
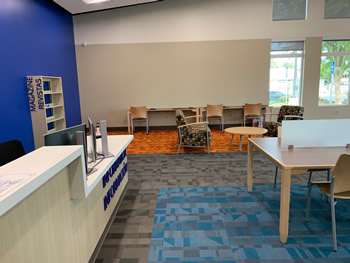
(196, 134)
(286, 113)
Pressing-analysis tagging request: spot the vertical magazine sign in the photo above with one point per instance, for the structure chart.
(35, 93)
(36, 100)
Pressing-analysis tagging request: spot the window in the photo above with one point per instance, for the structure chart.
(337, 9)
(334, 74)
(285, 73)
(288, 10)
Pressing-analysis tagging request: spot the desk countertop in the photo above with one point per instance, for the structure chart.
(45, 162)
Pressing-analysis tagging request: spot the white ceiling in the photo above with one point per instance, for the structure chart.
(78, 6)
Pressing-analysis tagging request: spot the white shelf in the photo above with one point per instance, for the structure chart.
(50, 106)
(53, 118)
(52, 93)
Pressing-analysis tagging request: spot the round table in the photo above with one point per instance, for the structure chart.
(244, 131)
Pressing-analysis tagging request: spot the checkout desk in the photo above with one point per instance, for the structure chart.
(58, 213)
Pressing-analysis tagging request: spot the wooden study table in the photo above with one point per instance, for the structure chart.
(290, 160)
(193, 109)
(202, 110)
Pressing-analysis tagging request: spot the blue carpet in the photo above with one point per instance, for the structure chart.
(228, 224)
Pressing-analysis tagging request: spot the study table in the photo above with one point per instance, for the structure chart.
(202, 110)
(288, 160)
(197, 110)
(192, 109)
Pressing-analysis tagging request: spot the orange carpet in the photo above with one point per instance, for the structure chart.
(166, 142)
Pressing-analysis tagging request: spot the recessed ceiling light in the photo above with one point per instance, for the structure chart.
(89, 2)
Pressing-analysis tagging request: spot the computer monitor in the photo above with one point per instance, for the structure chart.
(93, 154)
(63, 137)
(68, 136)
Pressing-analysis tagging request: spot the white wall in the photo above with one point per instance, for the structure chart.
(202, 20)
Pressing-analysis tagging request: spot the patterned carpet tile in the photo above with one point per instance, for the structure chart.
(129, 238)
(228, 224)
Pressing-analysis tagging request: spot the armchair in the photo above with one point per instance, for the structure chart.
(286, 113)
(195, 134)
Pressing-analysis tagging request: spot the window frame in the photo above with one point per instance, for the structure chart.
(302, 56)
(333, 54)
(291, 19)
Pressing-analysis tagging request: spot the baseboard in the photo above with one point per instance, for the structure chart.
(108, 226)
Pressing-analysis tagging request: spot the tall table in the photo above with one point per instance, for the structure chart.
(289, 160)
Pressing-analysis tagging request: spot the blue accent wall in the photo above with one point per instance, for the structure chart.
(36, 39)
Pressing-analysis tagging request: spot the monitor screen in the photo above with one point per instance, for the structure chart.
(68, 136)
(64, 137)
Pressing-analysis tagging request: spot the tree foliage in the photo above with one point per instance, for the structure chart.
(342, 65)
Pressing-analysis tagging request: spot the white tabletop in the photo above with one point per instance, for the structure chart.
(45, 162)
(299, 157)
(41, 164)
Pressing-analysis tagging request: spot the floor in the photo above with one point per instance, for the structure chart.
(166, 142)
(153, 164)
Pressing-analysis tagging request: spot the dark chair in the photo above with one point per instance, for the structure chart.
(195, 134)
(286, 113)
(10, 151)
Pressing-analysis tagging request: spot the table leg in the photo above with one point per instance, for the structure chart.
(284, 205)
(128, 118)
(232, 139)
(240, 143)
(250, 167)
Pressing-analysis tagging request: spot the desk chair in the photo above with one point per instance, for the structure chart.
(216, 112)
(10, 150)
(252, 111)
(337, 188)
(139, 114)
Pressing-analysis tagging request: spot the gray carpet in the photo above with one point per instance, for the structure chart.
(128, 240)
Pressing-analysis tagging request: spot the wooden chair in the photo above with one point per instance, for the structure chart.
(10, 150)
(216, 112)
(139, 114)
(252, 111)
(337, 188)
